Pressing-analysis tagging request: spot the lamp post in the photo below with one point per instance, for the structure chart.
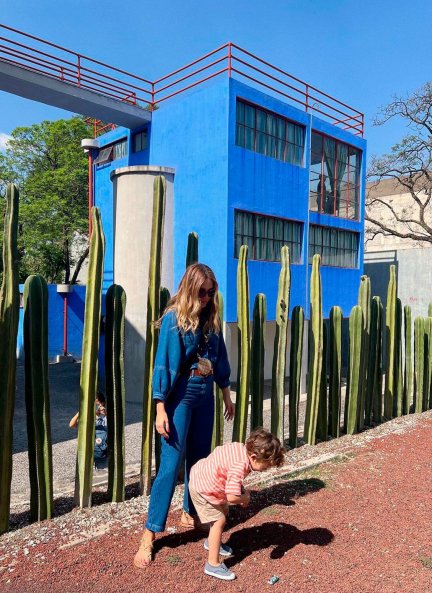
(88, 145)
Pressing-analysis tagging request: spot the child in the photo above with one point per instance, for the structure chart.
(101, 443)
(217, 481)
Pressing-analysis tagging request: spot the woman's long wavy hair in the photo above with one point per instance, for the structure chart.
(186, 304)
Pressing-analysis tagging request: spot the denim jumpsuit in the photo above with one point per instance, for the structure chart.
(189, 404)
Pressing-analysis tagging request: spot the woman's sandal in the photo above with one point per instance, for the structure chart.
(147, 555)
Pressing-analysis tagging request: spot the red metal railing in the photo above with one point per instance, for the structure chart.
(84, 72)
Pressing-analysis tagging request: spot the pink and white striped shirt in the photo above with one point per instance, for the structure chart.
(221, 473)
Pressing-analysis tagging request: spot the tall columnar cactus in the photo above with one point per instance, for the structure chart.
(322, 421)
(375, 362)
(89, 364)
(218, 425)
(243, 373)
(37, 398)
(335, 371)
(153, 313)
(390, 379)
(315, 352)
(115, 306)
(364, 298)
(164, 297)
(192, 249)
(398, 400)
(355, 357)
(9, 314)
(419, 361)
(280, 347)
(427, 383)
(430, 310)
(257, 360)
(296, 353)
(408, 367)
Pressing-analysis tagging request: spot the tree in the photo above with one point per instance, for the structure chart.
(51, 170)
(409, 164)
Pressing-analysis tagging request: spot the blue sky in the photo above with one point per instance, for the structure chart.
(362, 52)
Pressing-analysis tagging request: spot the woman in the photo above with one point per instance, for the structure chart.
(191, 355)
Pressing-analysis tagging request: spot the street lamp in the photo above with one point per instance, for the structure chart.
(89, 144)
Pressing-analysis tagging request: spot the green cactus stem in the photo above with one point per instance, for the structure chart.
(419, 361)
(364, 298)
(115, 305)
(390, 379)
(355, 357)
(398, 400)
(427, 381)
(408, 366)
(280, 347)
(89, 364)
(243, 373)
(192, 249)
(315, 352)
(375, 359)
(153, 313)
(335, 380)
(322, 420)
(296, 354)
(257, 360)
(9, 315)
(218, 425)
(430, 310)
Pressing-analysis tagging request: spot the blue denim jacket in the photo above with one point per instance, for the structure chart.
(174, 348)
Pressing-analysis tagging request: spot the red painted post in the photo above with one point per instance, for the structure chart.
(65, 325)
(229, 58)
(307, 98)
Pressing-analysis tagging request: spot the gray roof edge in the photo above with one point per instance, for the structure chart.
(133, 169)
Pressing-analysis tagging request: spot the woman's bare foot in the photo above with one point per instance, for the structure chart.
(145, 552)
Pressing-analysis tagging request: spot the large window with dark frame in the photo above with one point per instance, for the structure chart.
(112, 152)
(267, 133)
(265, 235)
(336, 247)
(334, 177)
(139, 140)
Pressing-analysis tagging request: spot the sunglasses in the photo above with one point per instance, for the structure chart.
(202, 293)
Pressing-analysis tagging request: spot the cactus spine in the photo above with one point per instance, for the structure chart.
(115, 390)
(335, 371)
(375, 362)
(418, 364)
(322, 421)
(192, 249)
(408, 368)
(89, 364)
(364, 302)
(218, 425)
(397, 404)
(257, 360)
(296, 352)
(153, 313)
(280, 346)
(389, 391)
(243, 373)
(315, 355)
(355, 357)
(37, 397)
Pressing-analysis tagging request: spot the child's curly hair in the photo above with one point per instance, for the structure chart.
(266, 447)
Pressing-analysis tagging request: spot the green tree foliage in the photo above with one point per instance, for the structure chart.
(48, 164)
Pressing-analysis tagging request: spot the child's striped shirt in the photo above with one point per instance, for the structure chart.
(221, 473)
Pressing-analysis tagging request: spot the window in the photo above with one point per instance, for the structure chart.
(140, 141)
(112, 152)
(266, 235)
(120, 149)
(334, 177)
(270, 134)
(336, 247)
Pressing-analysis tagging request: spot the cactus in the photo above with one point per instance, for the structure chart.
(243, 373)
(164, 297)
(115, 306)
(430, 310)
(280, 346)
(335, 371)
(9, 315)
(322, 420)
(364, 297)
(315, 352)
(89, 364)
(427, 381)
(37, 398)
(397, 402)
(408, 368)
(375, 363)
(218, 425)
(296, 352)
(355, 357)
(192, 249)
(419, 331)
(390, 379)
(153, 313)
(257, 360)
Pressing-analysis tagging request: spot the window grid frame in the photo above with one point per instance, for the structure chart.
(319, 247)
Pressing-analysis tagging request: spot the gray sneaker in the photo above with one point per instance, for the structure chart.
(220, 572)
(224, 550)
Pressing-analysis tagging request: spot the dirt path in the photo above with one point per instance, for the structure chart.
(357, 521)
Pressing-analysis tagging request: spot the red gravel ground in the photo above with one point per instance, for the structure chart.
(358, 524)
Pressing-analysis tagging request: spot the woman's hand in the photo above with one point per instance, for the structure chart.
(229, 406)
(162, 424)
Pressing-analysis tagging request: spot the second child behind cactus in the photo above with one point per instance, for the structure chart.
(217, 481)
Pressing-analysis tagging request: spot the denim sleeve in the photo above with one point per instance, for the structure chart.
(168, 356)
(221, 368)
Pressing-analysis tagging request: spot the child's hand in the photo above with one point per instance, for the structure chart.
(245, 498)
